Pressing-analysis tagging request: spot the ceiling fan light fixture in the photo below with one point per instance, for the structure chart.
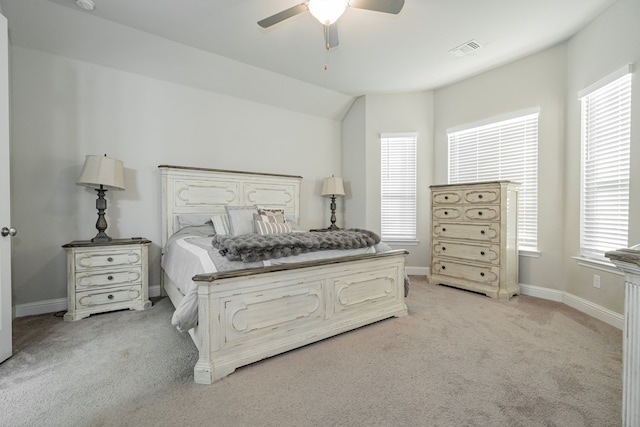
(327, 11)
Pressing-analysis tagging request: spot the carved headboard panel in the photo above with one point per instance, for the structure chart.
(207, 191)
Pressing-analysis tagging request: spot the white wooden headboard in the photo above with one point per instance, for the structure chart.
(187, 190)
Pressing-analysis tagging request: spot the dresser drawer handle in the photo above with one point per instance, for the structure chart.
(444, 249)
(480, 213)
(443, 267)
(110, 297)
(482, 274)
(444, 229)
(446, 197)
(481, 231)
(482, 253)
(109, 277)
(479, 196)
(110, 259)
(446, 213)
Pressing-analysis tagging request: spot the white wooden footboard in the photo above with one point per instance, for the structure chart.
(248, 316)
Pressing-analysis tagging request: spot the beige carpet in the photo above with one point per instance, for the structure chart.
(458, 359)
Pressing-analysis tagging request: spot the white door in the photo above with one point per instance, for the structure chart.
(6, 231)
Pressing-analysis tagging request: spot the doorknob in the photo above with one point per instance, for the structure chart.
(8, 231)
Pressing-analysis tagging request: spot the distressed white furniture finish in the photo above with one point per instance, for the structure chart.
(249, 315)
(475, 237)
(106, 276)
(628, 260)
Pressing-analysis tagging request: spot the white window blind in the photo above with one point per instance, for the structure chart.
(606, 135)
(398, 186)
(503, 149)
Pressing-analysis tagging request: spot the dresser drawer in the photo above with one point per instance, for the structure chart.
(448, 212)
(455, 249)
(446, 197)
(119, 257)
(485, 274)
(482, 213)
(106, 297)
(489, 232)
(91, 279)
(482, 195)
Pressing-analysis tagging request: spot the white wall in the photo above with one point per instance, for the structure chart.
(535, 81)
(606, 45)
(370, 116)
(551, 80)
(63, 109)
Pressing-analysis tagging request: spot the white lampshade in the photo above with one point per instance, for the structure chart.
(327, 11)
(102, 170)
(332, 186)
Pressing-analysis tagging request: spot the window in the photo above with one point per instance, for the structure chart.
(398, 186)
(606, 135)
(502, 149)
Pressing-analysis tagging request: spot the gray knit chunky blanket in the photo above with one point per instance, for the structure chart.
(256, 247)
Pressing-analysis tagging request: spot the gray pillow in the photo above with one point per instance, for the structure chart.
(241, 219)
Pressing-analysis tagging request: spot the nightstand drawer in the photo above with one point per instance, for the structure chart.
(105, 297)
(100, 257)
(91, 279)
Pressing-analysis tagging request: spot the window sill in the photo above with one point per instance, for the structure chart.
(529, 253)
(598, 265)
(402, 242)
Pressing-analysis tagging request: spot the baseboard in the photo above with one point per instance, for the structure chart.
(417, 271)
(41, 307)
(609, 317)
(598, 312)
(56, 305)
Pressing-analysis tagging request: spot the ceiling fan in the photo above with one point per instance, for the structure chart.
(328, 12)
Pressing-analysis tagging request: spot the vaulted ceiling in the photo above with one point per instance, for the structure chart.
(377, 53)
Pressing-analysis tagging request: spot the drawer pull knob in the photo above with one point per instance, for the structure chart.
(109, 277)
(479, 196)
(480, 213)
(481, 231)
(110, 259)
(110, 297)
(482, 274)
(446, 213)
(444, 229)
(446, 197)
(482, 253)
(443, 267)
(444, 249)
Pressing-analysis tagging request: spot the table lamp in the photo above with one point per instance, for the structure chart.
(102, 173)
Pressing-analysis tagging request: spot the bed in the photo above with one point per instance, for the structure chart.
(247, 315)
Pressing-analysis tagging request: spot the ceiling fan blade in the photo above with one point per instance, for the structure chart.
(386, 6)
(281, 16)
(331, 36)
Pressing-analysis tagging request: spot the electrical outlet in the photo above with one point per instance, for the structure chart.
(596, 281)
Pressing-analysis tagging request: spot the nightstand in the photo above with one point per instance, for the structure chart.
(106, 276)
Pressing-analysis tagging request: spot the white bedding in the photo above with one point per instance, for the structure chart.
(185, 256)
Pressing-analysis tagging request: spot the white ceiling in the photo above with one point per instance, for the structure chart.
(378, 53)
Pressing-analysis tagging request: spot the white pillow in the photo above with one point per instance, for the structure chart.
(185, 220)
(241, 219)
(221, 224)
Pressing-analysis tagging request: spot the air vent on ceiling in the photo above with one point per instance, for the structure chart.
(466, 48)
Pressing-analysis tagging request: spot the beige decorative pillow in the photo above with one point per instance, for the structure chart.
(275, 215)
(268, 227)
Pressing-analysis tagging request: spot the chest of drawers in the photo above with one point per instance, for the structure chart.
(106, 276)
(475, 237)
